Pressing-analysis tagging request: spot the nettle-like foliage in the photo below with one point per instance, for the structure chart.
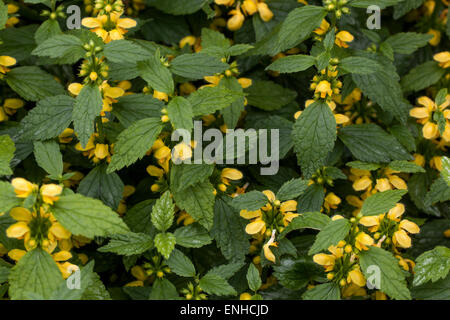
(97, 195)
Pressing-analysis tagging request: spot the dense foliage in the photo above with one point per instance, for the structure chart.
(98, 200)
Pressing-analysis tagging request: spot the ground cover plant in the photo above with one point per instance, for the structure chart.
(224, 149)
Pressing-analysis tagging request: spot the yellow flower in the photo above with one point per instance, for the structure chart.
(10, 107)
(331, 201)
(425, 115)
(328, 260)
(109, 27)
(236, 21)
(264, 12)
(342, 37)
(6, 61)
(227, 3)
(443, 58)
(228, 174)
(266, 248)
(22, 187)
(181, 152)
(372, 222)
(50, 192)
(101, 151)
(188, 40)
(436, 37)
(250, 7)
(363, 240)
(160, 95)
(66, 136)
(401, 239)
(324, 88)
(324, 25)
(355, 276)
(396, 212)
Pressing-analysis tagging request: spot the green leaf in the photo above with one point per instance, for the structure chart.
(253, 278)
(8, 197)
(138, 218)
(88, 105)
(250, 201)
(405, 166)
(178, 7)
(156, 74)
(18, 42)
(87, 277)
(103, 186)
(49, 157)
(363, 165)
(268, 95)
(192, 236)
(314, 134)
(226, 271)
(294, 63)
(3, 15)
(404, 136)
(232, 113)
(33, 84)
(359, 65)
(197, 65)
(48, 119)
(439, 290)
(330, 235)
(60, 46)
(324, 291)
(229, 230)
(87, 217)
(134, 142)
(165, 243)
(380, 3)
(180, 113)
(292, 189)
(445, 173)
(381, 202)
(368, 142)
(163, 212)
(296, 274)
(128, 244)
(198, 201)
(124, 50)
(408, 42)
(49, 29)
(134, 107)
(439, 192)
(422, 76)
(35, 273)
(214, 284)
(309, 220)
(163, 289)
(180, 264)
(392, 279)
(432, 265)
(7, 150)
(185, 175)
(311, 200)
(210, 99)
(96, 290)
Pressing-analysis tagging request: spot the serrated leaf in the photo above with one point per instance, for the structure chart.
(309, 220)
(380, 3)
(163, 212)
(8, 197)
(324, 291)
(432, 265)
(296, 274)
(198, 201)
(180, 264)
(163, 289)
(35, 273)
(422, 76)
(250, 201)
(156, 74)
(268, 95)
(381, 202)
(405, 166)
(88, 105)
(60, 46)
(330, 235)
(408, 42)
(134, 142)
(226, 271)
(392, 279)
(180, 113)
(216, 285)
(439, 192)
(229, 230)
(48, 119)
(368, 142)
(178, 7)
(292, 189)
(7, 150)
(103, 186)
(294, 63)
(33, 84)
(210, 99)
(185, 175)
(359, 65)
(165, 243)
(128, 244)
(314, 134)
(48, 156)
(192, 236)
(124, 50)
(87, 217)
(87, 277)
(253, 278)
(363, 165)
(134, 107)
(196, 65)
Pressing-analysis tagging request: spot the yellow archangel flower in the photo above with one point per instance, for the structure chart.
(425, 116)
(109, 27)
(5, 62)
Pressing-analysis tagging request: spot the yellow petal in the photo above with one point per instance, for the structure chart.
(17, 230)
(270, 195)
(398, 182)
(62, 256)
(397, 211)
(409, 226)
(290, 205)
(255, 227)
(13, 103)
(383, 185)
(324, 259)
(357, 277)
(362, 183)
(126, 23)
(402, 239)
(59, 231)
(16, 254)
(7, 61)
(369, 221)
(250, 214)
(75, 88)
(21, 214)
(91, 22)
(113, 92)
(268, 253)
(232, 174)
(430, 130)
(419, 113)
